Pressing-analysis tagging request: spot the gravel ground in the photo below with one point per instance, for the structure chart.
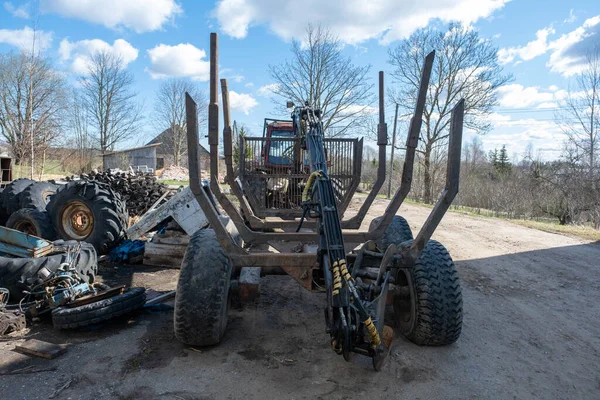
(531, 330)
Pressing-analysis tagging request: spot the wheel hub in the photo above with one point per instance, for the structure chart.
(77, 220)
(26, 227)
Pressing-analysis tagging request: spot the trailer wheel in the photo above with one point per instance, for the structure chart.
(11, 194)
(89, 211)
(398, 231)
(37, 195)
(202, 298)
(32, 222)
(98, 311)
(428, 306)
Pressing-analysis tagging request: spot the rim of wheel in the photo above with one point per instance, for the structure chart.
(405, 302)
(26, 227)
(77, 220)
(46, 196)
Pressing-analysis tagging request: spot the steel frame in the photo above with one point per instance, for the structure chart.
(251, 228)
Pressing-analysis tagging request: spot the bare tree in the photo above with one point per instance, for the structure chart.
(579, 117)
(169, 113)
(466, 66)
(109, 100)
(321, 75)
(80, 132)
(32, 103)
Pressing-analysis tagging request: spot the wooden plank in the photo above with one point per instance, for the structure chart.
(41, 349)
(181, 239)
(152, 248)
(163, 261)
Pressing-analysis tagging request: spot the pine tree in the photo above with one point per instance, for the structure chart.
(503, 164)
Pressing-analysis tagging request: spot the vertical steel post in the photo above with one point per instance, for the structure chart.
(227, 134)
(213, 110)
(392, 155)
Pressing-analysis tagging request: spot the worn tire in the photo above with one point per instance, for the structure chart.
(37, 195)
(32, 222)
(202, 298)
(433, 313)
(98, 311)
(18, 274)
(105, 207)
(398, 231)
(11, 195)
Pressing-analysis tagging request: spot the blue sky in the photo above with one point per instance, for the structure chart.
(540, 42)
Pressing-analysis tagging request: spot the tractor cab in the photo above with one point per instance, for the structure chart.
(278, 148)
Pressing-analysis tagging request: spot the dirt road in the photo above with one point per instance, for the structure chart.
(531, 330)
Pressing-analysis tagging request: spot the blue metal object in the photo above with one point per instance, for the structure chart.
(20, 244)
(63, 296)
(127, 250)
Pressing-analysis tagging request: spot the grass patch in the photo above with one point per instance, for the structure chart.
(174, 182)
(52, 169)
(584, 232)
(546, 225)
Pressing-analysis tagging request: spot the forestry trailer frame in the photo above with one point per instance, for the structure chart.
(304, 234)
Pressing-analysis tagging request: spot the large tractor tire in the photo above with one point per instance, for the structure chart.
(89, 211)
(98, 311)
(19, 274)
(202, 299)
(398, 231)
(428, 307)
(32, 222)
(37, 195)
(11, 195)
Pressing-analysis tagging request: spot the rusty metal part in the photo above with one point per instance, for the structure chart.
(77, 220)
(11, 321)
(303, 275)
(81, 301)
(25, 227)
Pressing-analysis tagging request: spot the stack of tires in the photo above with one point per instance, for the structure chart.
(83, 210)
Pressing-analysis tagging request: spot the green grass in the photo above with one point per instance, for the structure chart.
(581, 231)
(546, 225)
(174, 182)
(52, 169)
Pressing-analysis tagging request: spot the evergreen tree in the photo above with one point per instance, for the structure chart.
(503, 164)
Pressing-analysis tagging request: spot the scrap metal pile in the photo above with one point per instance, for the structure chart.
(58, 278)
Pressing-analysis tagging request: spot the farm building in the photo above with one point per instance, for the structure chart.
(164, 152)
(139, 158)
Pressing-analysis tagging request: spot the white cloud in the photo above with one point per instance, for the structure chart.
(19, 12)
(516, 134)
(24, 38)
(570, 50)
(241, 102)
(249, 84)
(567, 53)
(183, 59)
(267, 90)
(570, 18)
(353, 20)
(530, 50)
(78, 53)
(519, 96)
(138, 15)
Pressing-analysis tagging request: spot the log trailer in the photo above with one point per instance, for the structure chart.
(291, 190)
